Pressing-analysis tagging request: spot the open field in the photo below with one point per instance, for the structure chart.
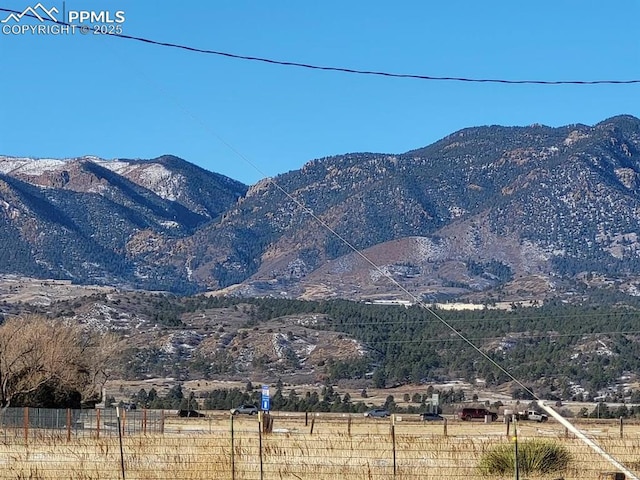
(15, 289)
(316, 447)
(125, 389)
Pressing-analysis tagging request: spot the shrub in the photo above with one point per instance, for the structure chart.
(534, 457)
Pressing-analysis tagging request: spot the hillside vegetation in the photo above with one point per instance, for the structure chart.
(559, 350)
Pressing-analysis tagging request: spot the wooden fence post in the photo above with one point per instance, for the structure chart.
(267, 422)
(144, 421)
(621, 428)
(313, 422)
(349, 426)
(26, 425)
(445, 427)
(68, 424)
(98, 423)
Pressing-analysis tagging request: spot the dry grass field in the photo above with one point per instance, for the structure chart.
(315, 447)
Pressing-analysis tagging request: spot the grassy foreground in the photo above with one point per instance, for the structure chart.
(419, 452)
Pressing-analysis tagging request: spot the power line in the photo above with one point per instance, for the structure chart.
(355, 71)
(375, 72)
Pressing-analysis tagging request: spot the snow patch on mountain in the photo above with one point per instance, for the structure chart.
(116, 166)
(162, 181)
(29, 166)
(153, 176)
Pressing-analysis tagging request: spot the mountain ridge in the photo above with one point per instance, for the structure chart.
(519, 201)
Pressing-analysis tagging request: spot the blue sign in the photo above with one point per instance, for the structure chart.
(266, 399)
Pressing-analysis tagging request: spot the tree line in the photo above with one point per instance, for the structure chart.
(325, 400)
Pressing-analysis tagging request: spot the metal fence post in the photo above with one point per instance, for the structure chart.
(393, 443)
(120, 441)
(233, 453)
(515, 441)
(260, 443)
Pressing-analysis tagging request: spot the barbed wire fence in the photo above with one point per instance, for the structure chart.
(83, 444)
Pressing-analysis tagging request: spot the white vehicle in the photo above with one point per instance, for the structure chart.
(532, 415)
(247, 409)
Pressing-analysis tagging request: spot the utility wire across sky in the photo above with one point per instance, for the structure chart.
(355, 71)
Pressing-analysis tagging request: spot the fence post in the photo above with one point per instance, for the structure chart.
(349, 426)
(445, 427)
(393, 443)
(144, 421)
(313, 422)
(98, 423)
(260, 441)
(26, 425)
(2, 424)
(120, 441)
(162, 421)
(306, 419)
(233, 453)
(621, 428)
(508, 419)
(267, 422)
(68, 425)
(515, 441)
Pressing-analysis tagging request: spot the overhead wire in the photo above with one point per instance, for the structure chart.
(329, 68)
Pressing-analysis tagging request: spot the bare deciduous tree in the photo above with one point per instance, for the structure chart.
(36, 351)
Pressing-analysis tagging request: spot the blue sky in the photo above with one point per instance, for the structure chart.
(67, 96)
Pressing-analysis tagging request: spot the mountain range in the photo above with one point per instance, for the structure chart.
(485, 214)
